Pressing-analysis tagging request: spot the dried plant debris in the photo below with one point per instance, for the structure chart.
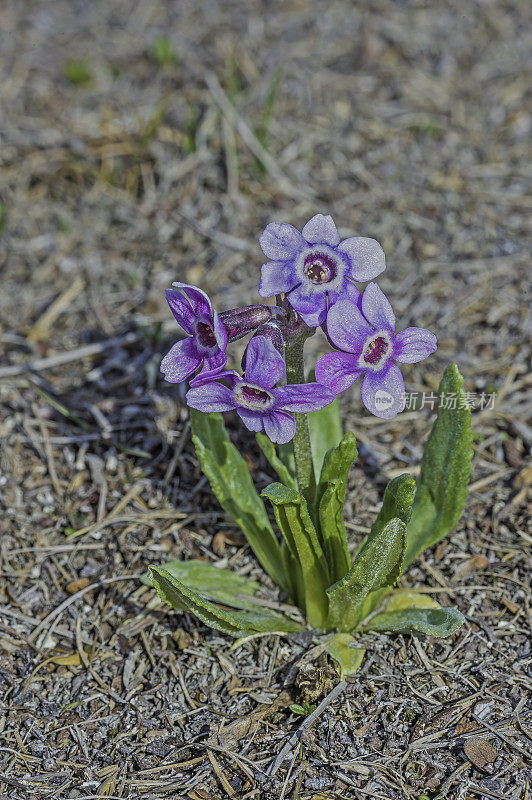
(152, 142)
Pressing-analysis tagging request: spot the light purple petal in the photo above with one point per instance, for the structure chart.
(303, 397)
(377, 308)
(413, 345)
(199, 300)
(321, 229)
(347, 328)
(264, 364)
(215, 362)
(252, 419)
(366, 257)
(383, 392)
(181, 309)
(181, 361)
(277, 277)
(211, 397)
(352, 293)
(217, 374)
(280, 241)
(338, 371)
(312, 307)
(279, 426)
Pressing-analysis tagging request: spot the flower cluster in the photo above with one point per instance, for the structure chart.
(313, 275)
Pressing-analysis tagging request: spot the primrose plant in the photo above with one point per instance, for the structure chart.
(314, 275)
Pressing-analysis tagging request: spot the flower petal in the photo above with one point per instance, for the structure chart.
(181, 309)
(302, 397)
(220, 331)
(366, 257)
(279, 426)
(253, 420)
(181, 361)
(311, 307)
(377, 308)
(199, 300)
(218, 374)
(338, 371)
(352, 293)
(413, 345)
(281, 241)
(346, 327)
(383, 392)
(277, 277)
(211, 397)
(264, 364)
(215, 362)
(321, 229)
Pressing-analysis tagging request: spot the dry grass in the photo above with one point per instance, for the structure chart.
(120, 173)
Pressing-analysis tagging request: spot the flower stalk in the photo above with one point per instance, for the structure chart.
(295, 373)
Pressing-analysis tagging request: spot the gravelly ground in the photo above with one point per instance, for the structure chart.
(118, 174)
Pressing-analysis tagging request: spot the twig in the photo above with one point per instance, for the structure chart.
(307, 723)
(249, 138)
(68, 356)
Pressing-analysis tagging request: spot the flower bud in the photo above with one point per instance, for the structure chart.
(271, 330)
(238, 322)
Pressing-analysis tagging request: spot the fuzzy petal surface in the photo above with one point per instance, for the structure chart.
(377, 308)
(280, 241)
(366, 257)
(217, 374)
(413, 345)
(321, 230)
(311, 307)
(211, 397)
(253, 420)
(346, 326)
(277, 277)
(279, 426)
(264, 364)
(301, 397)
(338, 371)
(383, 392)
(180, 361)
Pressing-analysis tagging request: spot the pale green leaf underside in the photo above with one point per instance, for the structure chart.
(220, 585)
(430, 621)
(325, 432)
(349, 658)
(231, 483)
(236, 623)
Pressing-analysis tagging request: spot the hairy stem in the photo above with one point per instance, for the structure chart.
(295, 373)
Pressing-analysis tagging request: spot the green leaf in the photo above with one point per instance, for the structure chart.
(431, 621)
(325, 432)
(176, 594)
(231, 483)
(217, 584)
(396, 504)
(349, 658)
(445, 469)
(332, 528)
(301, 539)
(268, 448)
(330, 501)
(376, 566)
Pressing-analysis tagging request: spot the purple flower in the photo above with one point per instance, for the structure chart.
(260, 405)
(368, 344)
(314, 267)
(207, 337)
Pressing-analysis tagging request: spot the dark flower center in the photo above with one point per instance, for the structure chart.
(375, 350)
(254, 398)
(320, 268)
(205, 335)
